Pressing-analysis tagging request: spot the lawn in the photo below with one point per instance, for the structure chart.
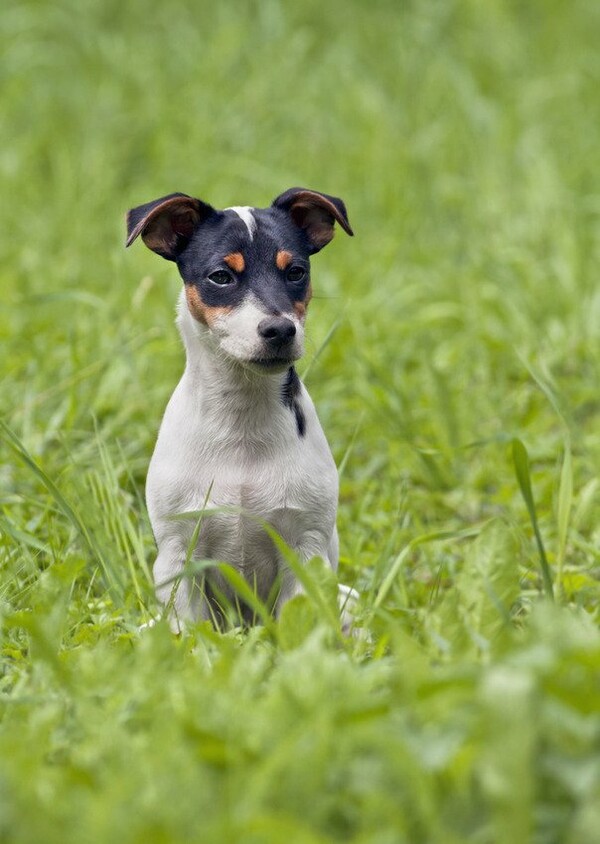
(454, 358)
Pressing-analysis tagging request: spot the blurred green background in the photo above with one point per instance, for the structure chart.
(463, 137)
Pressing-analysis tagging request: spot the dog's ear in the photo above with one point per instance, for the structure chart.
(166, 224)
(315, 213)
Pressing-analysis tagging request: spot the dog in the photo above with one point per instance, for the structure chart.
(240, 435)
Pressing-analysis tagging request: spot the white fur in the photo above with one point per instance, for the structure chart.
(245, 213)
(227, 431)
(237, 332)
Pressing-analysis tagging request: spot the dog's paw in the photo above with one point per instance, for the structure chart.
(152, 622)
(176, 625)
(347, 602)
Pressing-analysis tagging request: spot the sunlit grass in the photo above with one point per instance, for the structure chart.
(454, 360)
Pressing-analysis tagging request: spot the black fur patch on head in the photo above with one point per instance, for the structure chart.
(290, 394)
(224, 235)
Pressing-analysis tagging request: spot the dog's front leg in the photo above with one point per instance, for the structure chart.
(177, 592)
(312, 545)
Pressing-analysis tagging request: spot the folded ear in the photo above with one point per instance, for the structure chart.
(315, 213)
(166, 224)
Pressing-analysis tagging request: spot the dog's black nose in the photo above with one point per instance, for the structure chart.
(277, 331)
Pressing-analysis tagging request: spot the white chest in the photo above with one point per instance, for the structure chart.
(247, 464)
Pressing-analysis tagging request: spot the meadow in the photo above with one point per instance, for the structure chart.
(454, 358)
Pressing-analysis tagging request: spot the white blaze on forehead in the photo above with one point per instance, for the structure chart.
(245, 214)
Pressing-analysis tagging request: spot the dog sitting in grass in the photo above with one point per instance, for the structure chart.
(240, 435)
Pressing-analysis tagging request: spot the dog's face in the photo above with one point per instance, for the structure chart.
(246, 270)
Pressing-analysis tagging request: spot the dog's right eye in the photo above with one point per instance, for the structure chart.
(221, 277)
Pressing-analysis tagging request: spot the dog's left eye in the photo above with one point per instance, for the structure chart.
(221, 277)
(296, 273)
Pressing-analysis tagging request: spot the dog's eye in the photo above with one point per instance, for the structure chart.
(221, 277)
(296, 273)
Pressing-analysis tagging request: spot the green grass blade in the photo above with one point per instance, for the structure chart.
(521, 464)
(565, 505)
(322, 347)
(64, 505)
(350, 446)
(21, 537)
(248, 595)
(308, 583)
(395, 568)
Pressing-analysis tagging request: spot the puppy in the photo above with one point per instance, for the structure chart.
(240, 436)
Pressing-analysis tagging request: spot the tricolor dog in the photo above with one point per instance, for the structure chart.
(240, 435)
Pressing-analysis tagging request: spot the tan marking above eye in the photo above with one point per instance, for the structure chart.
(200, 310)
(235, 261)
(283, 259)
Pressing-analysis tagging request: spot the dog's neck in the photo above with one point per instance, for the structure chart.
(233, 393)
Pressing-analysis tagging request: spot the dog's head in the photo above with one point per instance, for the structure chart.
(246, 270)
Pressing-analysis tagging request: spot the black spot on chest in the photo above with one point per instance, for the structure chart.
(290, 396)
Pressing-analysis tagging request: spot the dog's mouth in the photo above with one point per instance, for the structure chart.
(271, 364)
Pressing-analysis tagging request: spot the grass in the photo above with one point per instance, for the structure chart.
(455, 363)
